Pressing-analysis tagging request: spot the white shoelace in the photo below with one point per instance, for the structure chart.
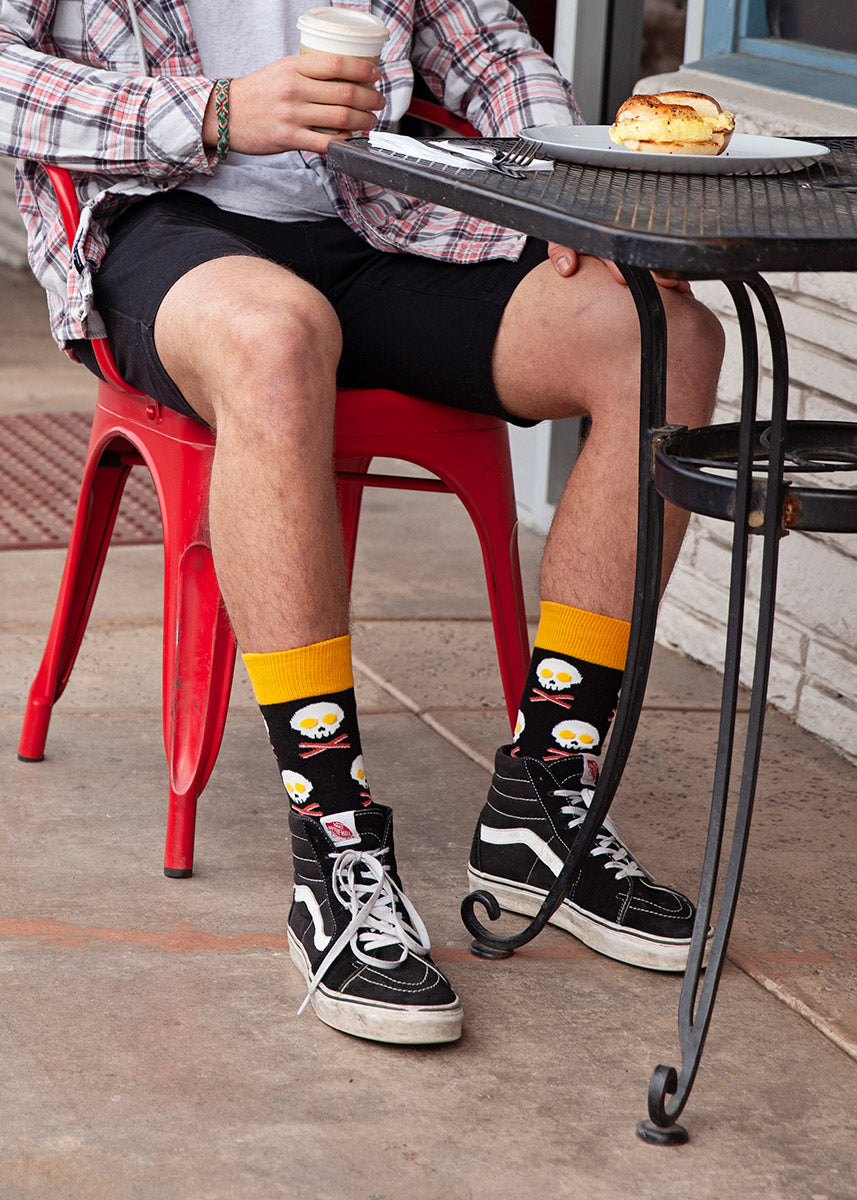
(361, 882)
(608, 843)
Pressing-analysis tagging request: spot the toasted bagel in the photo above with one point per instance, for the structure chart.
(673, 123)
(706, 106)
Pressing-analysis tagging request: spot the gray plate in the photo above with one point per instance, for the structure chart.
(746, 154)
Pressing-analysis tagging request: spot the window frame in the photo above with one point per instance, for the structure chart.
(736, 42)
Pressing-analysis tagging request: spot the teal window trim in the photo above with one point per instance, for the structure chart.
(720, 27)
(800, 54)
(726, 21)
(735, 43)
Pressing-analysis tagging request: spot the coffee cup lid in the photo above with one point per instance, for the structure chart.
(344, 22)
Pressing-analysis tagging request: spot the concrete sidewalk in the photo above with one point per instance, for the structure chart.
(149, 1045)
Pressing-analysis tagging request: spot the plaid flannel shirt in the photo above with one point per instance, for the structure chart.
(75, 93)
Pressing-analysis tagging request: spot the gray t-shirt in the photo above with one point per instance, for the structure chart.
(277, 186)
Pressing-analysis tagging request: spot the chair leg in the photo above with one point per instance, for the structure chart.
(199, 653)
(350, 495)
(101, 491)
(199, 660)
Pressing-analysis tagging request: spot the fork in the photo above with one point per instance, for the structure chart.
(477, 160)
(520, 154)
(508, 162)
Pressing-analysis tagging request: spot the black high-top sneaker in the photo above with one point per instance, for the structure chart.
(357, 940)
(524, 836)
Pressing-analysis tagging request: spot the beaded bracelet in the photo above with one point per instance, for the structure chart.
(221, 112)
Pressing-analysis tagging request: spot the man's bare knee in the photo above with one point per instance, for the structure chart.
(242, 335)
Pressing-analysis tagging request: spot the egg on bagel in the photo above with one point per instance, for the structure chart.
(673, 123)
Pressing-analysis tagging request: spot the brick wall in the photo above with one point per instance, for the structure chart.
(814, 666)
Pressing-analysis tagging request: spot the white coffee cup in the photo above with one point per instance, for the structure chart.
(342, 31)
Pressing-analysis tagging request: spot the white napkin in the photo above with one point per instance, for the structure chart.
(408, 147)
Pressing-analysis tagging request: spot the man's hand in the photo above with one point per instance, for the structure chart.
(285, 105)
(567, 261)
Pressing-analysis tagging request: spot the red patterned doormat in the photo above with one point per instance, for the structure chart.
(41, 463)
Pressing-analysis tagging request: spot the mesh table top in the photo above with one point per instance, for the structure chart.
(698, 225)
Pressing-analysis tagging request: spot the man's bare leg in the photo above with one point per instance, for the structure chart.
(569, 346)
(254, 351)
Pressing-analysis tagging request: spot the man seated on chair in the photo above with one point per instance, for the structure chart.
(238, 281)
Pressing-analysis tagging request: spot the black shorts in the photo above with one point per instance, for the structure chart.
(408, 323)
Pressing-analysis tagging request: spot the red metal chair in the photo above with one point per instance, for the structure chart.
(467, 454)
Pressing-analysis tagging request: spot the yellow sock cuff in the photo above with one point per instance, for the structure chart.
(585, 635)
(316, 670)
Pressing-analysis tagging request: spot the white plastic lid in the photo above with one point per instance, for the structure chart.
(344, 22)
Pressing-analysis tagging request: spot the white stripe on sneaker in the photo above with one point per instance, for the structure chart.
(526, 837)
(304, 895)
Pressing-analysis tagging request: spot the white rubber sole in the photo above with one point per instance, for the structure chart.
(404, 1024)
(614, 941)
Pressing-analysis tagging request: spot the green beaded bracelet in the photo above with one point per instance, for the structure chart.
(221, 112)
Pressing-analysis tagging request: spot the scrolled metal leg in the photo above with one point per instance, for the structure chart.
(669, 1089)
(653, 331)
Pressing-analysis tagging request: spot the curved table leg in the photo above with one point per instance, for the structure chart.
(669, 1089)
(646, 592)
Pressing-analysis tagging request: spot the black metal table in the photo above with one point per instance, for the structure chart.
(727, 227)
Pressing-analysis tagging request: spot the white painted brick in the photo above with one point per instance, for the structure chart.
(829, 662)
(784, 281)
(709, 292)
(712, 564)
(683, 630)
(714, 560)
(790, 640)
(817, 585)
(799, 401)
(820, 369)
(821, 324)
(784, 684)
(836, 287)
(830, 717)
(696, 604)
(813, 405)
(729, 387)
(786, 669)
(845, 544)
(701, 531)
(691, 540)
(696, 592)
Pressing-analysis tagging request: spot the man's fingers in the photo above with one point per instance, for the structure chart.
(567, 261)
(321, 65)
(563, 258)
(680, 285)
(341, 93)
(331, 117)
